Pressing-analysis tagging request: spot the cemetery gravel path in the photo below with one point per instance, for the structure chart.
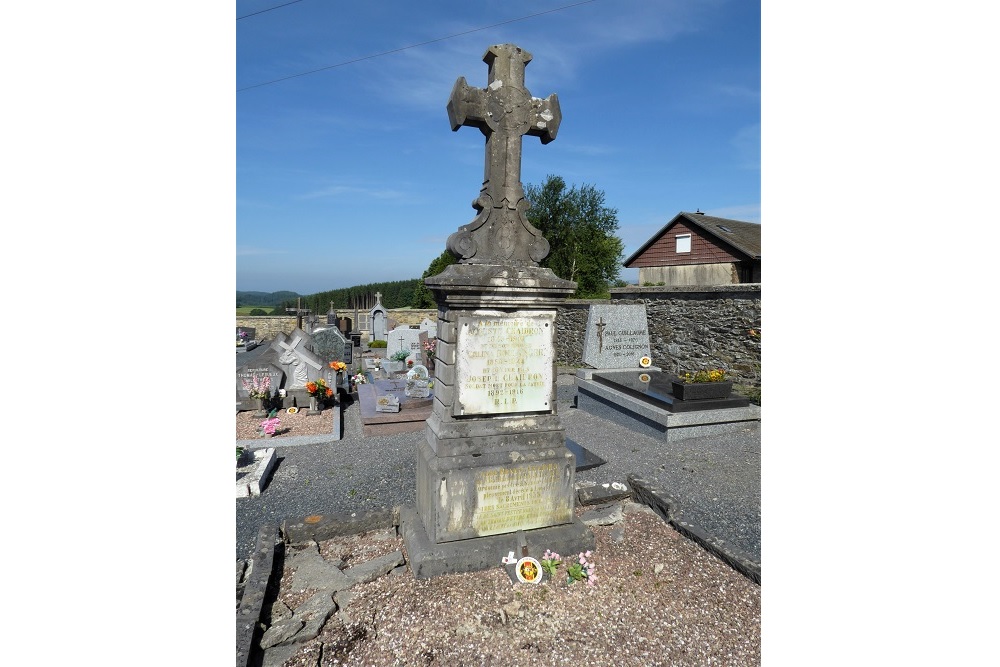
(715, 480)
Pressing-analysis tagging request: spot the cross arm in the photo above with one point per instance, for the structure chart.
(545, 118)
(466, 106)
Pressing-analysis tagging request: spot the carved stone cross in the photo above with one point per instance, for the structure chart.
(504, 111)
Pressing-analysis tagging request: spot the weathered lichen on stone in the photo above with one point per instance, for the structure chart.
(503, 112)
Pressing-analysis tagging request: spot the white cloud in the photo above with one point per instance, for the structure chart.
(353, 191)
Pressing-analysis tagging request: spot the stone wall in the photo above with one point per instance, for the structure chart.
(269, 326)
(690, 328)
(697, 328)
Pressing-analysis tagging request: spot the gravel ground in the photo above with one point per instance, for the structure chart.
(658, 599)
(715, 479)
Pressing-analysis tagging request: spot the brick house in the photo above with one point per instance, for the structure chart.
(699, 249)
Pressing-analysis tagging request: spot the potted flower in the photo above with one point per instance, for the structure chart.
(259, 388)
(318, 392)
(702, 385)
(356, 379)
(429, 347)
(395, 363)
(267, 427)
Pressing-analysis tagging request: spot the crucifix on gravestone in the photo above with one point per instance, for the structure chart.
(503, 112)
(299, 312)
(600, 334)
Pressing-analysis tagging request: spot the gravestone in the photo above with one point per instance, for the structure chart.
(300, 363)
(246, 334)
(329, 344)
(405, 339)
(616, 336)
(379, 319)
(430, 326)
(494, 474)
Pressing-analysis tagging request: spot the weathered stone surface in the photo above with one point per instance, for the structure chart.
(314, 571)
(603, 516)
(279, 611)
(276, 656)
(251, 603)
(280, 632)
(314, 613)
(319, 527)
(503, 112)
(604, 493)
(371, 570)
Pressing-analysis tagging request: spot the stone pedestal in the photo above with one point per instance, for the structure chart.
(494, 474)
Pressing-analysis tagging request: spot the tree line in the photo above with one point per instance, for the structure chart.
(575, 221)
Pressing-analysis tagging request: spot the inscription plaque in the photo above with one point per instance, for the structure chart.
(505, 363)
(520, 498)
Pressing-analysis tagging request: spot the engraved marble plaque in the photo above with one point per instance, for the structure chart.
(504, 363)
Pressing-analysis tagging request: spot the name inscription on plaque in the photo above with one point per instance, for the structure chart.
(504, 363)
(520, 498)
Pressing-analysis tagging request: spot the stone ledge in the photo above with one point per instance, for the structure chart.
(667, 507)
(252, 483)
(255, 589)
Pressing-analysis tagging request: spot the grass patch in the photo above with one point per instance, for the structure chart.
(748, 391)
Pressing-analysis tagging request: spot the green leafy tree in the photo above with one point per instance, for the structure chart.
(423, 298)
(580, 230)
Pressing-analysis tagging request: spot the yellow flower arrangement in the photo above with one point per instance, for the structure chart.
(713, 375)
(338, 365)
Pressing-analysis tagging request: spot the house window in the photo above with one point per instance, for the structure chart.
(683, 243)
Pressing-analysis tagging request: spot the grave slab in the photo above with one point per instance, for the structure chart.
(412, 415)
(250, 479)
(649, 418)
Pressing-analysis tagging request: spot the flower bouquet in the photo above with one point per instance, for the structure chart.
(319, 389)
(267, 427)
(429, 347)
(258, 386)
(359, 378)
(338, 366)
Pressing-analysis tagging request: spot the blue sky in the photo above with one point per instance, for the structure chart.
(352, 175)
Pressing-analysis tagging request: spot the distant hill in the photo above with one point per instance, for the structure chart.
(265, 299)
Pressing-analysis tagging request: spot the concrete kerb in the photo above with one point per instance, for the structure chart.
(667, 507)
(324, 527)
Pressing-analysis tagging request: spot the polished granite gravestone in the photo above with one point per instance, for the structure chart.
(644, 402)
(494, 474)
(617, 336)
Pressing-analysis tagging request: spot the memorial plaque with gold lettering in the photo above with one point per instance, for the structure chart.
(504, 363)
(521, 498)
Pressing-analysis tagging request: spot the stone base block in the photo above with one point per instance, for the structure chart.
(482, 553)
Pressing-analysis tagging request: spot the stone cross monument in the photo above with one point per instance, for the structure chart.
(494, 474)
